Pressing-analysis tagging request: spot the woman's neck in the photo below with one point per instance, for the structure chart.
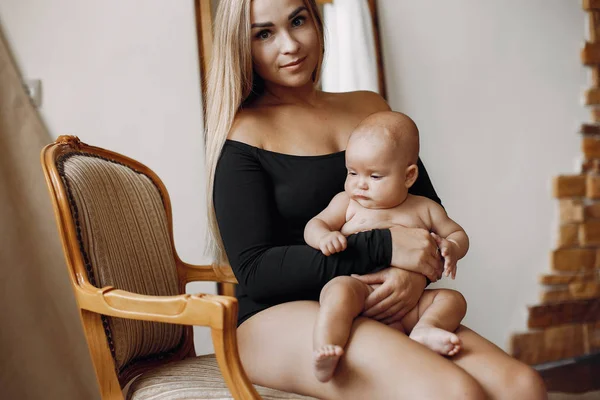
(306, 95)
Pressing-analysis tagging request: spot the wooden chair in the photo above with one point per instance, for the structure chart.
(115, 222)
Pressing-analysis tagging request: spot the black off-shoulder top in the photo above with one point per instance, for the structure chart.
(263, 201)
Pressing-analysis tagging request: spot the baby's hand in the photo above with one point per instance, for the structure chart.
(448, 250)
(332, 242)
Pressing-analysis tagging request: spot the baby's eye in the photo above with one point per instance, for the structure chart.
(352, 173)
(376, 177)
(263, 35)
(298, 21)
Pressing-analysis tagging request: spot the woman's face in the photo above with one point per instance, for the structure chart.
(285, 43)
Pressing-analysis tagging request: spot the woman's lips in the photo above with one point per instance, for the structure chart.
(294, 63)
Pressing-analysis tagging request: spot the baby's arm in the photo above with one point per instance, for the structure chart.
(323, 231)
(451, 238)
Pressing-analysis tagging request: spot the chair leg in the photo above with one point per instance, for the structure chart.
(228, 358)
(101, 357)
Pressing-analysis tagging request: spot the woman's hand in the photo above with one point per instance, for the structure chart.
(396, 293)
(414, 249)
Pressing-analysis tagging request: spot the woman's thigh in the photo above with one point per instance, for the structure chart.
(501, 376)
(379, 363)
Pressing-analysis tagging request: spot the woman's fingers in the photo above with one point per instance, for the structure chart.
(379, 308)
(432, 269)
(390, 312)
(378, 301)
(371, 279)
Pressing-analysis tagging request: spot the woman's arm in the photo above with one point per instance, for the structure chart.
(243, 199)
(423, 186)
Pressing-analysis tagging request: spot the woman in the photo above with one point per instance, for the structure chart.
(275, 159)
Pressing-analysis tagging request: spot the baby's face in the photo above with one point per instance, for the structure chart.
(376, 173)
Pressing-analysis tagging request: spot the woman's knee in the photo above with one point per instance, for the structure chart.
(461, 385)
(523, 382)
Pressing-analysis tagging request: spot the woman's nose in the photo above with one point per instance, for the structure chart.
(289, 44)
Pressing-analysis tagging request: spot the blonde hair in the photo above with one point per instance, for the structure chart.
(231, 83)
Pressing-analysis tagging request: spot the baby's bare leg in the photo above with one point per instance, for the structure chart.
(341, 301)
(433, 321)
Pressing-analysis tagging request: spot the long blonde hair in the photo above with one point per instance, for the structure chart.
(231, 83)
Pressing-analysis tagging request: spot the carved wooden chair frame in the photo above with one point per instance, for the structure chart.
(215, 311)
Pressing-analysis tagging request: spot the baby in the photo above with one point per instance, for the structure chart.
(381, 158)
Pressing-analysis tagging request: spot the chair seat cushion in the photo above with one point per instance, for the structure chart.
(193, 378)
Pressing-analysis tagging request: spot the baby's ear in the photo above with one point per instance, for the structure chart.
(412, 172)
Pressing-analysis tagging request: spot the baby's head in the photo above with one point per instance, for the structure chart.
(381, 158)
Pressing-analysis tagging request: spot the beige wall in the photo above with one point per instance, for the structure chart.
(124, 75)
(495, 89)
(44, 353)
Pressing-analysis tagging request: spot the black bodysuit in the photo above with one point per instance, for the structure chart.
(263, 201)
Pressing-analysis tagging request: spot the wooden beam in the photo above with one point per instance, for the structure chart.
(590, 129)
(569, 186)
(378, 52)
(595, 114)
(565, 279)
(555, 295)
(551, 344)
(568, 312)
(590, 54)
(568, 236)
(573, 259)
(589, 233)
(590, 166)
(584, 290)
(593, 26)
(574, 375)
(592, 211)
(592, 96)
(205, 42)
(571, 210)
(590, 146)
(589, 5)
(592, 186)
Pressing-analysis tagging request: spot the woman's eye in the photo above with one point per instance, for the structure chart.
(263, 35)
(298, 21)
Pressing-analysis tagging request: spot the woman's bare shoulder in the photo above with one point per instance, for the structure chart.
(248, 127)
(362, 101)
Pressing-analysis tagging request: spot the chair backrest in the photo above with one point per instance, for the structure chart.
(122, 237)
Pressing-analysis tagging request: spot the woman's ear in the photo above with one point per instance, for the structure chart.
(412, 172)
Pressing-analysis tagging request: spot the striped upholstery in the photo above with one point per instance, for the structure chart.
(193, 378)
(125, 241)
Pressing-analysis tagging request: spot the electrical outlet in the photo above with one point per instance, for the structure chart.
(33, 88)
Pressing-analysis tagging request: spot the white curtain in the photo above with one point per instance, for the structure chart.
(43, 354)
(350, 60)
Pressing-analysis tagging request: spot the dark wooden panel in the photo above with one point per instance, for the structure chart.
(569, 312)
(575, 375)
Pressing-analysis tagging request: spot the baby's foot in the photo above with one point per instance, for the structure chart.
(438, 340)
(326, 359)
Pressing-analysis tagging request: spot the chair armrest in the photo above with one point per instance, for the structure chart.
(218, 312)
(186, 309)
(214, 273)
